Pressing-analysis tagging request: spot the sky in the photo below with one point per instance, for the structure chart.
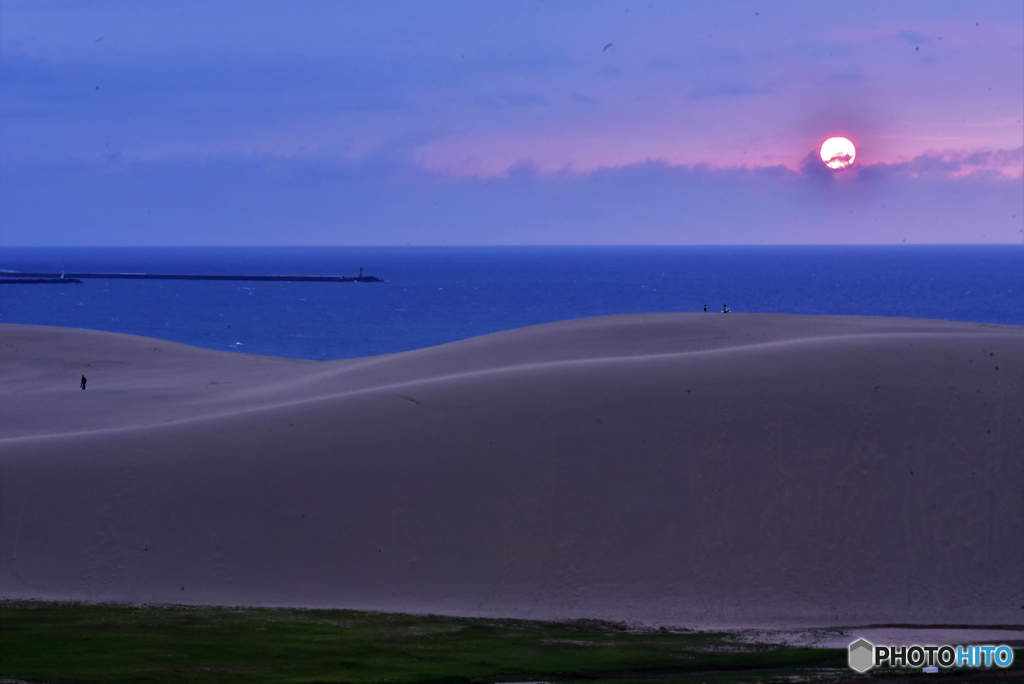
(509, 123)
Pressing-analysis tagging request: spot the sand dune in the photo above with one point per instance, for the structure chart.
(742, 470)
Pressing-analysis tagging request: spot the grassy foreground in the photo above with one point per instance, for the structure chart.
(62, 642)
(53, 642)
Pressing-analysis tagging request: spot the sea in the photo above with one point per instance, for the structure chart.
(433, 295)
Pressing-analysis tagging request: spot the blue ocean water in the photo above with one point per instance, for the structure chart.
(435, 295)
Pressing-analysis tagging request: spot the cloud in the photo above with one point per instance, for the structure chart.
(846, 77)
(812, 168)
(723, 89)
(704, 58)
(912, 37)
(386, 200)
(164, 88)
(511, 100)
(1008, 158)
(1007, 164)
(241, 85)
(583, 99)
(820, 50)
(930, 165)
(978, 158)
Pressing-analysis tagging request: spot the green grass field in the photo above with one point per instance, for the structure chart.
(62, 642)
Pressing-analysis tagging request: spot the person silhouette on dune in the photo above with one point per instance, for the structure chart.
(83, 382)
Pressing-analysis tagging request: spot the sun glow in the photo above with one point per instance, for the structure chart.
(838, 153)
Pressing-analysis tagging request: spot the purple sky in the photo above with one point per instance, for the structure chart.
(383, 123)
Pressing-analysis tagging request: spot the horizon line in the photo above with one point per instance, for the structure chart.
(532, 246)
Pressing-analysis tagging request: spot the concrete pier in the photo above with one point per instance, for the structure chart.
(29, 278)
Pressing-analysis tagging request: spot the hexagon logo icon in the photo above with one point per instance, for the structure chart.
(862, 655)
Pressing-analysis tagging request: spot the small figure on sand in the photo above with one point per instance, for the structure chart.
(725, 308)
(705, 308)
(83, 382)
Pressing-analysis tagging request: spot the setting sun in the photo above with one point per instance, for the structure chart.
(838, 153)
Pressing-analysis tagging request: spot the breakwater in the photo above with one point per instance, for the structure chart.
(24, 278)
(37, 281)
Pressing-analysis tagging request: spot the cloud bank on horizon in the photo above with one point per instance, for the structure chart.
(380, 123)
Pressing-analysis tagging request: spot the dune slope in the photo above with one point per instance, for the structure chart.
(694, 469)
